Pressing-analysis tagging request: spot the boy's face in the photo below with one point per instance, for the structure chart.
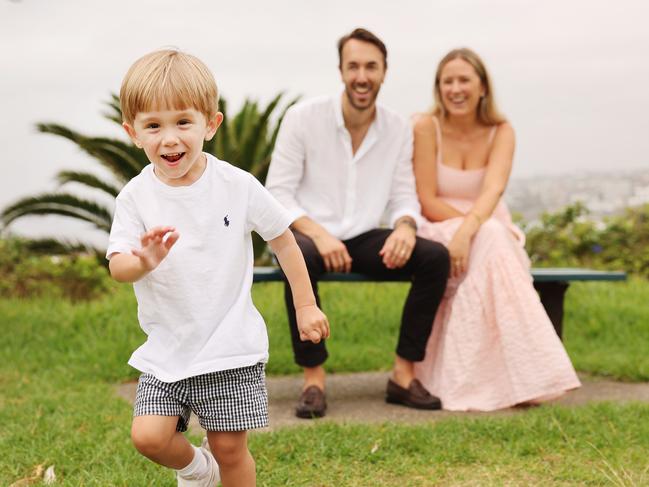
(173, 142)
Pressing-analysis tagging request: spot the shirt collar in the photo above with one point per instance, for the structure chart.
(338, 113)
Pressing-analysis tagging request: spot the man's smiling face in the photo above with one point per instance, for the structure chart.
(362, 69)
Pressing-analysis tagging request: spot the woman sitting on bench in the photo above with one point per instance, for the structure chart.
(492, 345)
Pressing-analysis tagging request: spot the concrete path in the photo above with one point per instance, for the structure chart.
(360, 398)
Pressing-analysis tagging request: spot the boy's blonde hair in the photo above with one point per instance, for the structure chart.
(168, 79)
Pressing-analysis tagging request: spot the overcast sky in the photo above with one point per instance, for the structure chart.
(572, 76)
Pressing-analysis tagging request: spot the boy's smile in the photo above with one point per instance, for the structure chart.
(173, 158)
(173, 142)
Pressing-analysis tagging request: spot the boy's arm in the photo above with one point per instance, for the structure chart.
(311, 322)
(155, 247)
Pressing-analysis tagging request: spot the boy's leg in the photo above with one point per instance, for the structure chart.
(160, 417)
(156, 438)
(228, 403)
(230, 448)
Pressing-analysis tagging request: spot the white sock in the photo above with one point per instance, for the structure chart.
(197, 468)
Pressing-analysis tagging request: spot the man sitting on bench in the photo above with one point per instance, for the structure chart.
(339, 165)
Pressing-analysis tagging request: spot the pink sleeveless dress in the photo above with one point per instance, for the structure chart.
(492, 345)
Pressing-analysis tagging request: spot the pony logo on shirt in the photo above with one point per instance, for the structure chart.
(226, 222)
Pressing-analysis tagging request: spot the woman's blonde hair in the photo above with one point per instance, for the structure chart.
(487, 111)
(168, 79)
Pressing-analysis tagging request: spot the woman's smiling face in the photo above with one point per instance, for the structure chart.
(460, 88)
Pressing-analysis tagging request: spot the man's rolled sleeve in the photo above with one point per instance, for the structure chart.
(403, 194)
(287, 165)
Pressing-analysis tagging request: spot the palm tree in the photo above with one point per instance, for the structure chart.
(246, 140)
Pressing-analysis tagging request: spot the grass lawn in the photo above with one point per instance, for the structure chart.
(59, 361)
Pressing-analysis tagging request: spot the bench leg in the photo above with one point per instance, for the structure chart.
(552, 294)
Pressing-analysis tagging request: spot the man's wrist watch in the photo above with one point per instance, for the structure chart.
(407, 221)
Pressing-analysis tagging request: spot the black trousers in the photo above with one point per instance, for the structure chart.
(428, 268)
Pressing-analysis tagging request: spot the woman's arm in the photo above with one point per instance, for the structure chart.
(499, 167)
(425, 167)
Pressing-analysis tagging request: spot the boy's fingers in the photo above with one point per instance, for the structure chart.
(325, 329)
(171, 239)
(315, 336)
(162, 230)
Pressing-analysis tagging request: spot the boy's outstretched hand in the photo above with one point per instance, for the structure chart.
(312, 323)
(155, 246)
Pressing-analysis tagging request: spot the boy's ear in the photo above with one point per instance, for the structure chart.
(131, 133)
(213, 125)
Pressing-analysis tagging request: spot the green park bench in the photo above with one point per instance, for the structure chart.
(551, 284)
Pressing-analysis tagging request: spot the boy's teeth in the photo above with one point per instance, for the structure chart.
(173, 157)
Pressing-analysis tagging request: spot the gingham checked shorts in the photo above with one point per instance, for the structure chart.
(227, 400)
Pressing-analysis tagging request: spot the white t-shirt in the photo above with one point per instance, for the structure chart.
(196, 306)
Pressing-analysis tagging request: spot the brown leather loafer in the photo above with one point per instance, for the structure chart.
(312, 403)
(415, 396)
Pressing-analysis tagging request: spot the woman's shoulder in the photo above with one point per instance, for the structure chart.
(503, 129)
(503, 126)
(423, 123)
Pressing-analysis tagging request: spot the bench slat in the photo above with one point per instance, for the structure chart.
(272, 274)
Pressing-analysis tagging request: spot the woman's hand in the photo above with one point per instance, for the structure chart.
(459, 248)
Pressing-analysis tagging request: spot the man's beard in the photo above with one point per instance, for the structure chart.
(349, 91)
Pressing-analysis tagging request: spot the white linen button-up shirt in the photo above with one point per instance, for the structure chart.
(313, 171)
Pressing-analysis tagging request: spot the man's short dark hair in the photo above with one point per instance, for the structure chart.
(364, 35)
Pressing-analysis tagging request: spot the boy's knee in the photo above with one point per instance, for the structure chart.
(229, 448)
(148, 442)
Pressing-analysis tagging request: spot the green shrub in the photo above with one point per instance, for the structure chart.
(569, 238)
(25, 273)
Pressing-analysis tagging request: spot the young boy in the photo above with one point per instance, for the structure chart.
(181, 234)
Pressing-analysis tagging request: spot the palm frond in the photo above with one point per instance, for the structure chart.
(278, 123)
(59, 204)
(256, 139)
(124, 160)
(114, 112)
(87, 179)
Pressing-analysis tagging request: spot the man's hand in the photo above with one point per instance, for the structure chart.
(398, 247)
(155, 246)
(333, 252)
(312, 323)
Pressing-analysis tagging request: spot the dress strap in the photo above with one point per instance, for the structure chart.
(492, 134)
(438, 131)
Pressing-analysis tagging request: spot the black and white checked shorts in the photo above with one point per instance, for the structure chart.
(227, 400)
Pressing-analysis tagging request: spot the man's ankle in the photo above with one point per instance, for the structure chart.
(314, 376)
(403, 372)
